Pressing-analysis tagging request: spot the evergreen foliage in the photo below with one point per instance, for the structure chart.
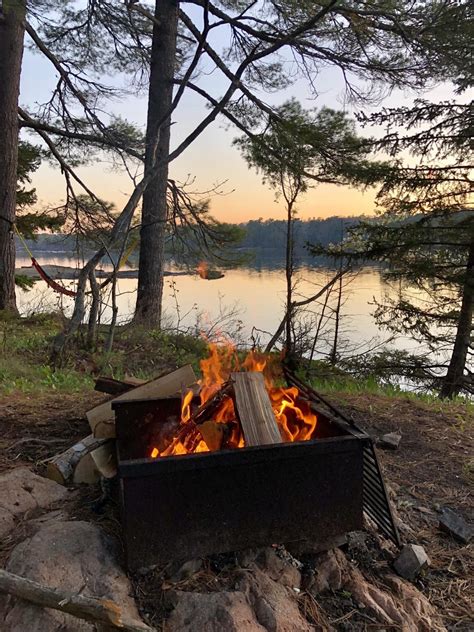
(425, 235)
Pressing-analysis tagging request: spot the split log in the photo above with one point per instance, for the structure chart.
(254, 409)
(88, 608)
(86, 472)
(62, 467)
(101, 418)
(105, 459)
(116, 387)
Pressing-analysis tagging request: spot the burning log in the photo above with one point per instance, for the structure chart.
(206, 411)
(213, 434)
(190, 432)
(63, 466)
(282, 416)
(254, 409)
(102, 611)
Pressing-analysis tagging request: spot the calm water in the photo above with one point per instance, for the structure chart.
(245, 298)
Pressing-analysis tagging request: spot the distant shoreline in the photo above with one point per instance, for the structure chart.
(66, 272)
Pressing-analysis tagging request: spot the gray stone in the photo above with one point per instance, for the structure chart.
(73, 556)
(21, 492)
(453, 523)
(301, 548)
(357, 541)
(411, 561)
(389, 441)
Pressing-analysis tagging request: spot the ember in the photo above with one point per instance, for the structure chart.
(218, 426)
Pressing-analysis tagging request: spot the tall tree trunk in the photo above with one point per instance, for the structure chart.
(12, 14)
(155, 209)
(452, 383)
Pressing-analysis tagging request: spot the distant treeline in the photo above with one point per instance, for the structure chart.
(271, 234)
(261, 237)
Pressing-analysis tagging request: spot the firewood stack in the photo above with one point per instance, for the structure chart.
(94, 456)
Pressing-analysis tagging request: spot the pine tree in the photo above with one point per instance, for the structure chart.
(12, 14)
(424, 235)
(297, 150)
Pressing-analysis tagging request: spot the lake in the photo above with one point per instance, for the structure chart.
(245, 298)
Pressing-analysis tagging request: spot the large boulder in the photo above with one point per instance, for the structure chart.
(72, 556)
(267, 586)
(21, 492)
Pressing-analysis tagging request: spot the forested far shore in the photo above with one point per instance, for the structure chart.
(257, 236)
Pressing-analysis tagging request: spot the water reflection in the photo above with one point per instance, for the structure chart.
(255, 295)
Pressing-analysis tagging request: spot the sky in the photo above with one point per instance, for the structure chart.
(211, 160)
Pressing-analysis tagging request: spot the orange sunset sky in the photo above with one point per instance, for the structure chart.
(211, 159)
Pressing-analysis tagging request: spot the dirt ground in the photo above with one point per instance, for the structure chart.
(433, 468)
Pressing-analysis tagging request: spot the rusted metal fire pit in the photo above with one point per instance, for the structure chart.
(187, 506)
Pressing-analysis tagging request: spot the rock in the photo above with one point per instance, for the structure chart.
(22, 491)
(389, 441)
(73, 556)
(212, 612)
(411, 561)
(280, 566)
(357, 540)
(274, 605)
(402, 606)
(453, 523)
(415, 606)
(328, 571)
(7, 522)
(247, 557)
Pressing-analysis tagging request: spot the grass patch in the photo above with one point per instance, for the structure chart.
(16, 375)
(329, 379)
(25, 345)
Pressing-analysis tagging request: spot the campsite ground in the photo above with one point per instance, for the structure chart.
(43, 413)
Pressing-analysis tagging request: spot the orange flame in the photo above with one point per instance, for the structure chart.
(203, 269)
(294, 416)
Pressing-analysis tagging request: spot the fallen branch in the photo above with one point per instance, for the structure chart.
(87, 608)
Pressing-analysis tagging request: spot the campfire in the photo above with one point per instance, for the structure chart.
(246, 456)
(236, 402)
